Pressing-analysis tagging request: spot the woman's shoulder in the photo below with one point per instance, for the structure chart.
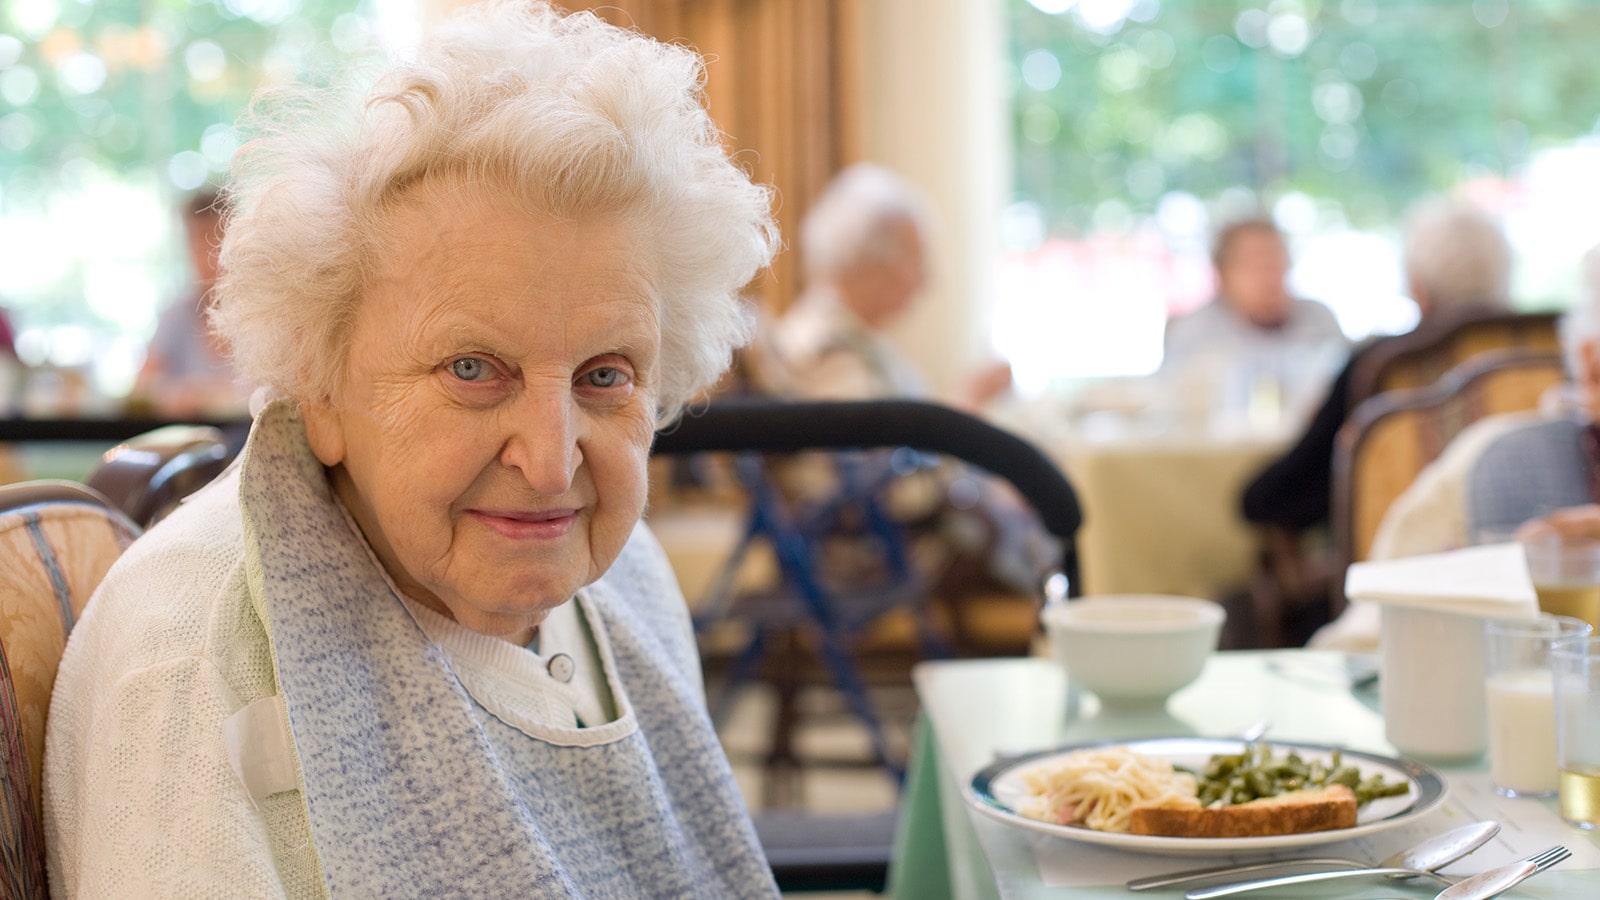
(642, 566)
(179, 589)
(647, 594)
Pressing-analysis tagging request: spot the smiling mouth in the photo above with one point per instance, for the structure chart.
(526, 525)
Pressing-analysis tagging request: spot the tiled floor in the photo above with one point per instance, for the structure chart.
(850, 783)
(829, 732)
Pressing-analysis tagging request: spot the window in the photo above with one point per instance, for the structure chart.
(110, 113)
(1140, 125)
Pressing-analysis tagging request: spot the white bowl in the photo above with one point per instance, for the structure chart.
(1133, 649)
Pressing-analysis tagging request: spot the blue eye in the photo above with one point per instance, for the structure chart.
(605, 376)
(469, 368)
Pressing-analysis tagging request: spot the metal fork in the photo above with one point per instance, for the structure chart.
(1503, 878)
(1506, 871)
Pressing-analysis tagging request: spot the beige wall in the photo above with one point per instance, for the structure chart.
(931, 109)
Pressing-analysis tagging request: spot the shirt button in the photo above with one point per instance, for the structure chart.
(561, 667)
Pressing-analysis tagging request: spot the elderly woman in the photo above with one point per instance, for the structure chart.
(1533, 474)
(417, 643)
(863, 248)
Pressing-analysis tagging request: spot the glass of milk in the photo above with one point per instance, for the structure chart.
(1521, 705)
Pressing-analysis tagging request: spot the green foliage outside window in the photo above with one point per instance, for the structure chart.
(111, 112)
(1368, 104)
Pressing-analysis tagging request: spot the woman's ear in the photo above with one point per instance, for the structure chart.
(324, 430)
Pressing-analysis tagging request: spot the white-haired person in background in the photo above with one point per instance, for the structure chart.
(417, 642)
(863, 254)
(1527, 472)
(1457, 263)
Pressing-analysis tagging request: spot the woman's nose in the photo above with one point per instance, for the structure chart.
(542, 443)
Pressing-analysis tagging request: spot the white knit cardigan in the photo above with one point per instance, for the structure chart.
(440, 789)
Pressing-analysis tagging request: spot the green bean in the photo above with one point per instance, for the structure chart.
(1348, 776)
(1367, 793)
(1221, 766)
(1229, 778)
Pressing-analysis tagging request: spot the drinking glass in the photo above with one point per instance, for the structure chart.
(1566, 577)
(1521, 708)
(1575, 667)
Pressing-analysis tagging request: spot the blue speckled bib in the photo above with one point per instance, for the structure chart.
(414, 789)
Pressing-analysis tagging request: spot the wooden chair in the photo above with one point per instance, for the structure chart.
(57, 539)
(1391, 437)
(148, 475)
(1299, 572)
(1423, 357)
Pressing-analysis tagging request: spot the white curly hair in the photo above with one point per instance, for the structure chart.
(1459, 254)
(852, 222)
(574, 117)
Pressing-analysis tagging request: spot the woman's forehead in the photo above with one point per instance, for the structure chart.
(508, 276)
(449, 215)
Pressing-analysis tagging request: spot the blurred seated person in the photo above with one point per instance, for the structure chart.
(1252, 322)
(1456, 260)
(862, 251)
(1513, 474)
(186, 372)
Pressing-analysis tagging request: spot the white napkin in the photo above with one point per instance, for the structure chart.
(1490, 581)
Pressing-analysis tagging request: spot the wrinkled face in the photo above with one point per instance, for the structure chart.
(496, 410)
(1252, 276)
(882, 290)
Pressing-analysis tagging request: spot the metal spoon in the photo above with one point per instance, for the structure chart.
(1434, 853)
(1421, 860)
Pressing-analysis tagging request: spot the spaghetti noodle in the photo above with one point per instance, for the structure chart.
(1098, 788)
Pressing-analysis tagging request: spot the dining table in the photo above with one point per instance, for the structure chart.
(973, 713)
(1160, 496)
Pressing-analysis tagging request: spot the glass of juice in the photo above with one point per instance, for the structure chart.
(1566, 576)
(1575, 673)
(1521, 707)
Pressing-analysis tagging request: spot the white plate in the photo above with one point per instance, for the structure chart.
(1000, 790)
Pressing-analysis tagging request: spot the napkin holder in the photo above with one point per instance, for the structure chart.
(1432, 611)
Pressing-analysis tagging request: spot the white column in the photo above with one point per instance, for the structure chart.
(933, 111)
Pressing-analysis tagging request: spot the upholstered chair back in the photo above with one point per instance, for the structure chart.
(57, 539)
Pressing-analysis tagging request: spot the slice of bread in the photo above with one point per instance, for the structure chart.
(1293, 813)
